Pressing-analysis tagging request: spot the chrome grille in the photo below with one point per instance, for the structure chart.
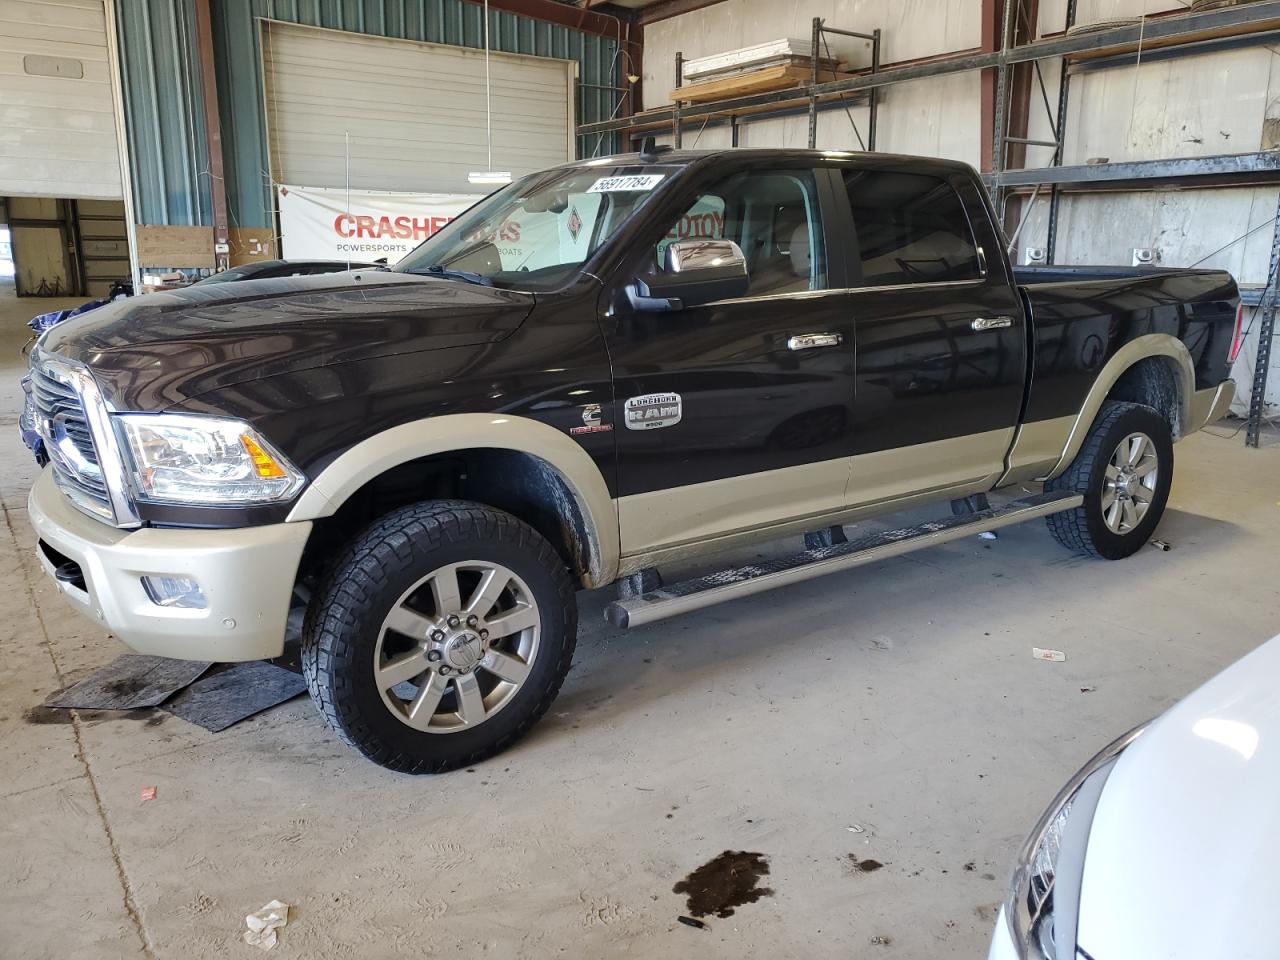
(62, 424)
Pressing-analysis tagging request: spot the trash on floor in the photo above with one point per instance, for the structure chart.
(988, 535)
(1053, 656)
(1088, 689)
(235, 692)
(147, 793)
(696, 924)
(264, 924)
(130, 682)
(1162, 545)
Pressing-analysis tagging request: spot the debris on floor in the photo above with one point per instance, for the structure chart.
(147, 793)
(696, 924)
(1088, 689)
(264, 924)
(988, 535)
(862, 866)
(728, 881)
(882, 940)
(1053, 656)
(130, 682)
(1162, 545)
(235, 692)
(855, 828)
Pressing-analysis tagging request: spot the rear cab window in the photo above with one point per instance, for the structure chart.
(912, 229)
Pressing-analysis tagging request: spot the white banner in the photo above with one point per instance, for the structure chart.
(319, 223)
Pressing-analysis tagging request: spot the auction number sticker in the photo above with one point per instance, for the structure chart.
(642, 182)
(652, 411)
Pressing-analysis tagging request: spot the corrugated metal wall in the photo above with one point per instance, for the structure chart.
(164, 106)
(236, 39)
(164, 110)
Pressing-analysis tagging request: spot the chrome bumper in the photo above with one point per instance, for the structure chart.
(246, 574)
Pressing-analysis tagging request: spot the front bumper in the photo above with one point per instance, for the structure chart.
(247, 576)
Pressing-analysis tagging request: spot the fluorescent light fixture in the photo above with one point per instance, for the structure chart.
(489, 176)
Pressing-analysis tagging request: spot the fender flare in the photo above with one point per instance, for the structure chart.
(1136, 350)
(451, 433)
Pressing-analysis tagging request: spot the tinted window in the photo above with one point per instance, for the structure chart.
(911, 229)
(773, 217)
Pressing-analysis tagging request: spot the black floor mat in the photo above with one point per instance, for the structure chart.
(130, 682)
(235, 692)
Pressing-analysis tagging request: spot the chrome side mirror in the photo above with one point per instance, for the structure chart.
(695, 272)
(688, 256)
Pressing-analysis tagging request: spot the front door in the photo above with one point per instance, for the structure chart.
(737, 415)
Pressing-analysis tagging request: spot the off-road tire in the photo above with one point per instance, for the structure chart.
(1084, 529)
(345, 617)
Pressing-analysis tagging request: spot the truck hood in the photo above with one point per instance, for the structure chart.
(150, 352)
(1182, 854)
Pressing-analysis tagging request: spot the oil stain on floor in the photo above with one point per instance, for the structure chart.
(720, 885)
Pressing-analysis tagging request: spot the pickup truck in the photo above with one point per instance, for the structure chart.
(599, 370)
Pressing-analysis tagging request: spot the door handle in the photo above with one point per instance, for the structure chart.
(807, 341)
(991, 323)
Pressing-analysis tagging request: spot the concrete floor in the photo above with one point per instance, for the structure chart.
(901, 700)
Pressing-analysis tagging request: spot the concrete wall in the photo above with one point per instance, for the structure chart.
(1203, 105)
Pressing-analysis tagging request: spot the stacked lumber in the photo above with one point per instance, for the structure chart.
(763, 68)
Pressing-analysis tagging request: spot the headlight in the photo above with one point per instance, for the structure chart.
(204, 460)
(1044, 902)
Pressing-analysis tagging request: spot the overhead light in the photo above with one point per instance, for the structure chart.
(489, 176)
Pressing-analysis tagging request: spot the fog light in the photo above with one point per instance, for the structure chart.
(181, 592)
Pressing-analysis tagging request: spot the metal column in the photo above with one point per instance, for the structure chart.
(675, 107)
(1000, 118)
(813, 81)
(1055, 198)
(1266, 333)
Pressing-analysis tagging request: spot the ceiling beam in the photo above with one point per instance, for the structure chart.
(666, 9)
(563, 15)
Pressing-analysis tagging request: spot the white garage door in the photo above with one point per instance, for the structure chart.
(414, 112)
(57, 115)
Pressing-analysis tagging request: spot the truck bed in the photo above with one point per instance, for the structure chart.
(1081, 316)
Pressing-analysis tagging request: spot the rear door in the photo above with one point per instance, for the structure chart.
(727, 418)
(939, 333)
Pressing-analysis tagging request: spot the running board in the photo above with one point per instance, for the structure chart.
(678, 598)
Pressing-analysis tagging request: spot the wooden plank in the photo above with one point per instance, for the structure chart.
(163, 246)
(250, 244)
(1236, 30)
(743, 84)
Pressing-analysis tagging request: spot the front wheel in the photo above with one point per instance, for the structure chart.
(1124, 470)
(442, 634)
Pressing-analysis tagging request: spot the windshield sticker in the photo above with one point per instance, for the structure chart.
(643, 182)
(574, 224)
(652, 411)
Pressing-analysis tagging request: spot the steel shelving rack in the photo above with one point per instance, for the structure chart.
(1158, 37)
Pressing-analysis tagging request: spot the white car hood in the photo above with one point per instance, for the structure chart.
(1184, 851)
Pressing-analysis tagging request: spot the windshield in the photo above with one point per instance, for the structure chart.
(538, 232)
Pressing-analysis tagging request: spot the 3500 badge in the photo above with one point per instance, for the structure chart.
(652, 411)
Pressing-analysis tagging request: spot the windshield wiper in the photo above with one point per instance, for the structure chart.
(439, 270)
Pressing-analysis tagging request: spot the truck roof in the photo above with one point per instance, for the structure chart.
(686, 157)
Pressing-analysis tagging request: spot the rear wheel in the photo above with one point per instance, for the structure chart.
(1124, 471)
(443, 633)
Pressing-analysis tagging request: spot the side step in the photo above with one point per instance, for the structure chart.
(678, 598)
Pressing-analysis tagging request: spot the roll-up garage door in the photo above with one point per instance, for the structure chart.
(57, 114)
(410, 116)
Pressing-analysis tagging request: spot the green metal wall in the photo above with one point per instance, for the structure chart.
(164, 107)
(164, 111)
